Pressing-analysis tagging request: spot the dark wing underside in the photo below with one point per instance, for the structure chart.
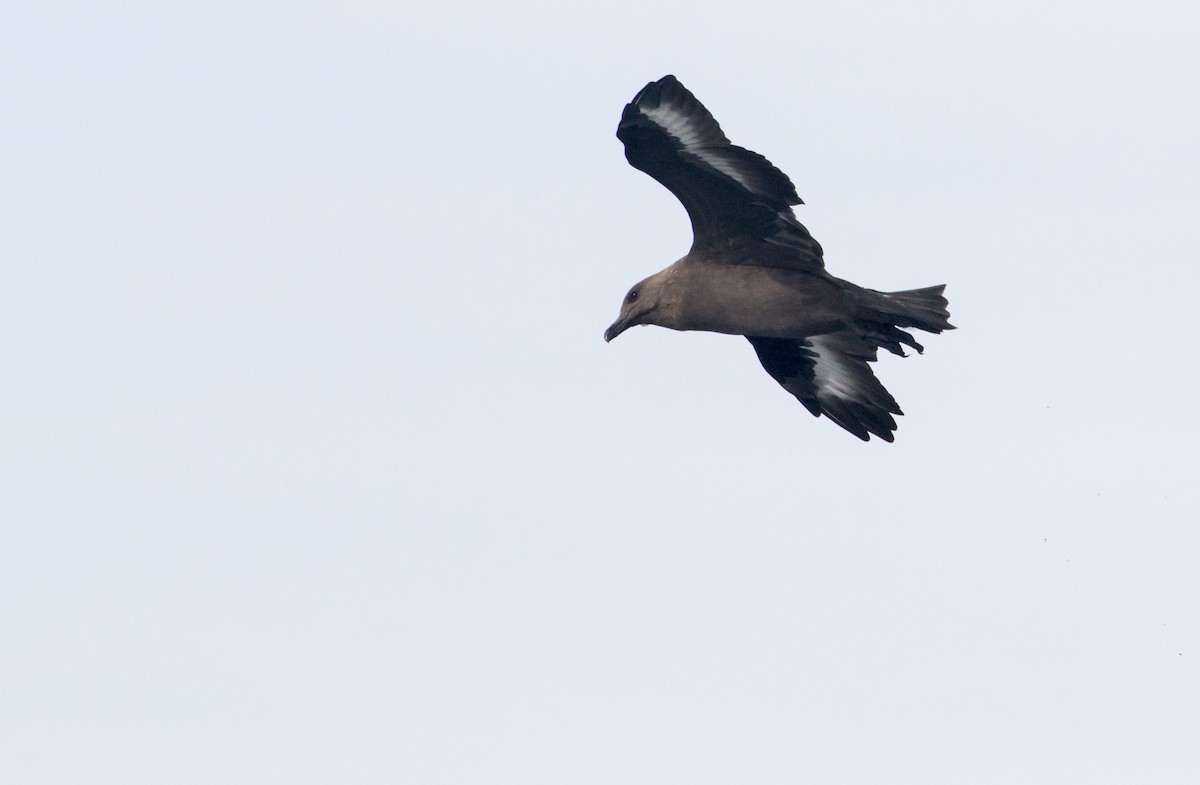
(830, 376)
(739, 203)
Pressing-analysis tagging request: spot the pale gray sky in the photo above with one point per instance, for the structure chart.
(316, 469)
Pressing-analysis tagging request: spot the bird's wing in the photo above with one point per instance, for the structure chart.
(830, 376)
(739, 203)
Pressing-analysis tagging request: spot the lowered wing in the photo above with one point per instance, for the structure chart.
(830, 376)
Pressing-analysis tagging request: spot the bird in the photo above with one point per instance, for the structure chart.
(754, 270)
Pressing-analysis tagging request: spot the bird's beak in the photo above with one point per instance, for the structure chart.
(616, 328)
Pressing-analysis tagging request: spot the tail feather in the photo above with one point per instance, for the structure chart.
(887, 312)
(924, 309)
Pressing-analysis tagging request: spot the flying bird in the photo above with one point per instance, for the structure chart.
(754, 270)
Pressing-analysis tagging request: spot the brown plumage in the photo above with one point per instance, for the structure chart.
(754, 270)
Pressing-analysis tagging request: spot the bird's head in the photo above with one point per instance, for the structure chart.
(641, 306)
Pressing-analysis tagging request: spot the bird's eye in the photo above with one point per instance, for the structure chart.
(632, 297)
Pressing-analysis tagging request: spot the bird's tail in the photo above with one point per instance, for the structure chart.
(886, 312)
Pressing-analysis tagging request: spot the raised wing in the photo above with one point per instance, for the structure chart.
(830, 376)
(739, 203)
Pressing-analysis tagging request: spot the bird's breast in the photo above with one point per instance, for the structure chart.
(762, 301)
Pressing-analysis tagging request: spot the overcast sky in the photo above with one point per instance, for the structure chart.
(315, 468)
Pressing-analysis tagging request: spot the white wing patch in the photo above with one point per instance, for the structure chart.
(697, 139)
(684, 128)
(703, 140)
(834, 373)
(713, 158)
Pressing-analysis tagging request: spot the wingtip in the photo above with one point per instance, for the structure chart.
(651, 95)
